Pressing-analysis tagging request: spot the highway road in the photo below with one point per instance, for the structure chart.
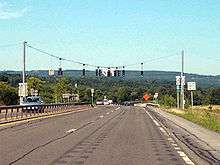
(101, 136)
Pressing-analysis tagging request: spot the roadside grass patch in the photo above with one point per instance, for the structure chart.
(203, 117)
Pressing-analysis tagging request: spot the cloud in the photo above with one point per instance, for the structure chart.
(7, 13)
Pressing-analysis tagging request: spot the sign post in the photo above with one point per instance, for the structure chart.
(92, 93)
(22, 91)
(191, 86)
(155, 97)
(178, 91)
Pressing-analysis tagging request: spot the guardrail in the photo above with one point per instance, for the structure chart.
(14, 112)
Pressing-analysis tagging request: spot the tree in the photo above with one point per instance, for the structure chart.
(123, 94)
(35, 83)
(61, 87)
(215, 96)
(8, 94)
(168, 100)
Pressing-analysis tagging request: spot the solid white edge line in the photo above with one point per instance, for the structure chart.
(181, 153)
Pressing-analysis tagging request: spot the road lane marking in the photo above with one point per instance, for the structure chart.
(71, 130)
(185, 157)
(174, 144)
(163, 131)
(117, 108)
(156, 122)
(170, 139)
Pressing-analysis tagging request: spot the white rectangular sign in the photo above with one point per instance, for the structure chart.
(183, 80)
(177, 80)
(51, 72)
(191, 86)
(23, 90)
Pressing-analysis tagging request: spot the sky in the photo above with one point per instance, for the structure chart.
(112, 33)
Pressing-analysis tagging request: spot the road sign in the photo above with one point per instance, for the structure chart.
(177, 80)
(92, 91)
(51, 72)
(76, 85)
(66, 95)
(156, 95)
(146, 97)
(183, 80)
(191, 86)
(22, 90)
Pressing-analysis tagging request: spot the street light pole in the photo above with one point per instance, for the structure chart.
(24, 61)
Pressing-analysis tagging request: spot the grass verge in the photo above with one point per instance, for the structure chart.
(207, 118)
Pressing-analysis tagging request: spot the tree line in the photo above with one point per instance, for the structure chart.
(116, 89)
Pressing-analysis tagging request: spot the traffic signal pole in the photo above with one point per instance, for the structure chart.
(182, 101)
(24, 61)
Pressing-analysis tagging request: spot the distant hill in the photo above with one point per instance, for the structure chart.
(203, 81)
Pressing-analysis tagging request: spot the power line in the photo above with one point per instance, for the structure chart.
(9, 45)
(96, 66)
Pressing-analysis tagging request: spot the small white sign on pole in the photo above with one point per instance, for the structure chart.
(183, 80)
(51, 72)
(156, 95)
(92, 91)
(177, 80)
(22, 90)
(191, 86)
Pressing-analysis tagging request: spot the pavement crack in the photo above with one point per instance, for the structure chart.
(45, 144)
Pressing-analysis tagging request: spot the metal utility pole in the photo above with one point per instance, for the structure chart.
(182, 102)
(92, 93)
(178, 100)
(24, 61)
(22, 91)
(192, 99)
(178, 79)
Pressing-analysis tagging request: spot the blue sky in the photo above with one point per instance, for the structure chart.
(112, 32)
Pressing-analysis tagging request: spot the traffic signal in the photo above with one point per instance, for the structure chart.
(60, 72)
(100, 72)
(84, 70)
(142, 70)
(123, 72)
(119, 73)
(115, 72)
(97, 72)
(108, 72)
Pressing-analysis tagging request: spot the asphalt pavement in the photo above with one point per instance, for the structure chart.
(108, 135)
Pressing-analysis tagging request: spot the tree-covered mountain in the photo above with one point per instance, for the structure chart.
(203, 81)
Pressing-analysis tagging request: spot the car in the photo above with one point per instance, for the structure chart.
(99, 102)
(31, 101)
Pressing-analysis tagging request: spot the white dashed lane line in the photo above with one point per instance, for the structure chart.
(117, 108)
(172, 142)
(71, 130)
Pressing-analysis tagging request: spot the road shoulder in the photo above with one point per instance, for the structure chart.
(202, 141)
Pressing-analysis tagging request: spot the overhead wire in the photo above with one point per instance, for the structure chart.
(91, 65)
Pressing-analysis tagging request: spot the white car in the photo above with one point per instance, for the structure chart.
(99, 102)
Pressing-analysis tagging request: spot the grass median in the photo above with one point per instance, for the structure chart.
(202, 115)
